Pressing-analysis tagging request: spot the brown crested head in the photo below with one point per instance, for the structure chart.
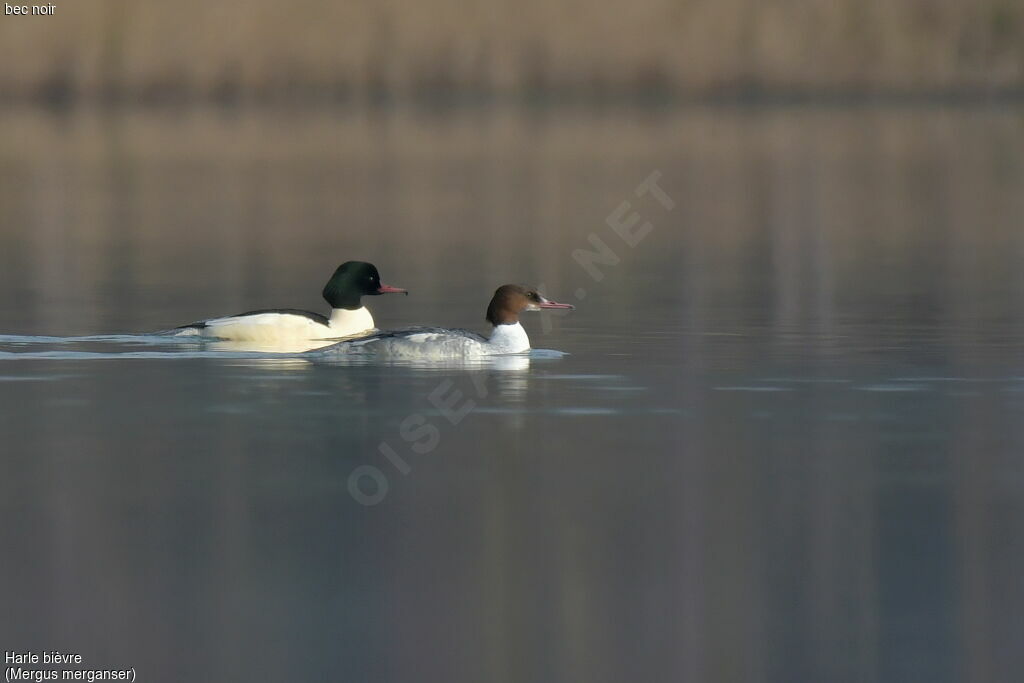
(511, 300)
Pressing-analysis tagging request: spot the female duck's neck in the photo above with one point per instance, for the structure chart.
(509, 339)
(345, 321)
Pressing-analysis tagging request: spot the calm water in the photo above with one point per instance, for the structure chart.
(787, 444)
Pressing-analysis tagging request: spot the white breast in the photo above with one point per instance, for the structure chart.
(509, 339)
(345, 322)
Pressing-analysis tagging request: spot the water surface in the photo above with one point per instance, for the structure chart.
(785, 444)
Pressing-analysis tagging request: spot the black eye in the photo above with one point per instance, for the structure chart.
(533, 296)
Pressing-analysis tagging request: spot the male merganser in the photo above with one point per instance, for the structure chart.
(350, 282)
(508, 335)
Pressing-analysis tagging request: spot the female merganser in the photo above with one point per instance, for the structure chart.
(350, 282)
(508, 335)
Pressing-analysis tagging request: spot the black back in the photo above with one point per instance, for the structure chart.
(315, 317)
(350, 282)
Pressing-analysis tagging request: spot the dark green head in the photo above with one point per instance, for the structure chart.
(352, 281)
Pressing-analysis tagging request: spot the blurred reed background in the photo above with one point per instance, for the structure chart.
(360, 49)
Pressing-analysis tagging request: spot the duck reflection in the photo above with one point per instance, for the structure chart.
(275, 347)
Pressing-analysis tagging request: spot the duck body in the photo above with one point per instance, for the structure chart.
(438, 343)
(289, 327)
(284, 325)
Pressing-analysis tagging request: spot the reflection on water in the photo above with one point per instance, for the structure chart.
(785, 444)
(263, 347)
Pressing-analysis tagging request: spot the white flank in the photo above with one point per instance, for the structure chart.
(288, 328)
